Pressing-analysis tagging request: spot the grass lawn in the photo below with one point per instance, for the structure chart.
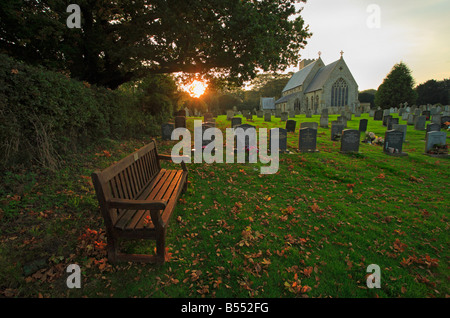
(310, 230)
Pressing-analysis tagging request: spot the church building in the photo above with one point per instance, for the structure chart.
(317, 86)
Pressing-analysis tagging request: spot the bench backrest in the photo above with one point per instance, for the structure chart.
(127, 178)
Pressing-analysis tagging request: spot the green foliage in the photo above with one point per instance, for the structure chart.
(46, 114)
(397, 87)
(368, 96)
(124, 40)
(434, 92)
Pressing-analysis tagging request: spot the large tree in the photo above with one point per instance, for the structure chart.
(122, 40)
(397, 88)
(434, 92)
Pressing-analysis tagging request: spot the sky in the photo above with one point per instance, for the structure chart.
(376, 35)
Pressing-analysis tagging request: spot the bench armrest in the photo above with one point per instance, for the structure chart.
(137, 204)
(169, 157)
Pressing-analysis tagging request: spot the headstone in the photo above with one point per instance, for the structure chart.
(259, 114)
(417, 112)
(290, 125)
(166, 131)
(312, 125)
(378, 115)
(284, 116)
(277, 113)
(363, 125)
(436, 119)
(343, 120)
(307, 140)
(405, 116)
(324, 111)
(291, 114)
(420, 123)
(282, 139)
(324, 121)
(385, 119)
(435, 138)
(230, 114)
(411, 119)
(249, 140)
(402, 128)
(207, 117)
(336, 130)
(308, 114)
(358, 114)
(236, 121)
(444, 119)
(180, 122)
(426, 113)
(267, 116)
(297, 112)
(401, 111)
(350, 140)
(181, 112)
(371, 113)
(386, 112)
(432, 127)
(391, 121)
(248, 115)
(393, 143)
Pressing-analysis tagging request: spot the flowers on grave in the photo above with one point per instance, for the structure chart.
(373, 139)
(447, 125)
(438, 150)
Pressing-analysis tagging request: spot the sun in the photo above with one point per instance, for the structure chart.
(196, 88)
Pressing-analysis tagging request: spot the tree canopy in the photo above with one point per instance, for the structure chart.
(434, 92)
(397, 87)
(123, 40)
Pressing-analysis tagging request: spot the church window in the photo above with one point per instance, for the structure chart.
(339, 93)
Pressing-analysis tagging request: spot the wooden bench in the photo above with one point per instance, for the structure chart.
(136, 200)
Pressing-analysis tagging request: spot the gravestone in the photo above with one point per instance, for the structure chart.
(236, 121)
(166, 131)
(324, 121)
(250, 140)
(260, 114)
(386, 119)
(336, 130)
(350, 140)
(291, 114)
(405, 116)
(402, 128)
(432, 127)
(378, 115)
(267, 116)
(297, 112)
(401, 111)
(324, 112)
(277, 113)
(386, 112)
(420, 123)
(230, 114)
(180, 122)
(358, 114)
(426, 113)
(444, 119)
(308, 114)
(371, 113)
(312, 125)
(342, 120)
(290, 125)
(206, 142)
(435, 138)
(207, 117)
(307, 140)
(181, 113)
(284, 116)
(363, 125)
(417, 112)
(436, 119)
(248, 115)
(393, 143)
(391, 121)
(411, 119)
(282, 139)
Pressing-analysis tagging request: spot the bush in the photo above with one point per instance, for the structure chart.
(44, 114)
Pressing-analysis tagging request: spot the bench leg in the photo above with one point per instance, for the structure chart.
(161, 246)
(112, 249)
(184, 187)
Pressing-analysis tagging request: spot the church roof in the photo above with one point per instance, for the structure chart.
(321, 77)
(298, 78)
(267, 103)
(284, 99)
